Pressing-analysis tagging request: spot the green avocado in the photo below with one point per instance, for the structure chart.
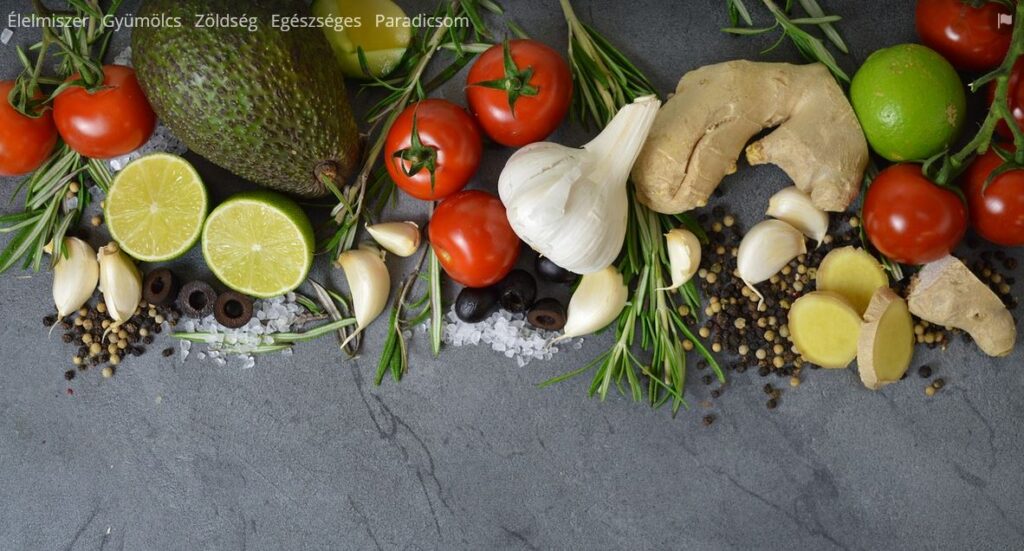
(268, 105)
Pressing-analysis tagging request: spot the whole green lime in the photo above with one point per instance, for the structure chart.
(910, 102)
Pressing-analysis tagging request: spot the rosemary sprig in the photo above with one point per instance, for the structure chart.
(394, 358)
(605, 81)
(55, 195)
(809, 45)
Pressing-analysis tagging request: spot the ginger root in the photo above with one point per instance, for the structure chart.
(947, 293)
(852, 273)
(700, 132)
(825, 329)
(886, 343)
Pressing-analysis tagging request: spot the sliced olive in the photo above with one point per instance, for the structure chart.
(475, 304)
(160, 287)
(518, 290)
(548, 270)
(232, 309)
(196, 299)
(547, 313)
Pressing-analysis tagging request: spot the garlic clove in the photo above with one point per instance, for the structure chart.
(597, 301)
(368, 282)
(399, 238)
(796, 209)
(683, 249)
(120, 283)
(766, 249)
(75, 275)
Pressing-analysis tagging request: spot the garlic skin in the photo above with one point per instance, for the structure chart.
(75, 276)
(570, 204)
(368, 282)
(120, 283)
(766, 249)
(683, 249)
(398, 238)
(597, 301)
(796, 209)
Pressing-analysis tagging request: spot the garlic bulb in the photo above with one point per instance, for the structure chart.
(766, 249)
(369, 282)
(570, 204)
(399, 238)
(120, 283)
(795, 208)
(74, 276)
(683, 249)
(597, 301)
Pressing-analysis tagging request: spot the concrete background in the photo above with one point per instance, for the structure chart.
(303, 452)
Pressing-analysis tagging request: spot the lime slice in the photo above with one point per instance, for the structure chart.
(259, 243)
(156, 207)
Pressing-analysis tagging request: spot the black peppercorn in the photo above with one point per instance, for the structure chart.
(48, 321)
(708, 420)
(167, 352)
(68, 337)
(772, 403)
(69, 374)
(924, 371)
(706, 379)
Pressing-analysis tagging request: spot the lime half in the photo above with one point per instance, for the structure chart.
(156, 207)
(259, 243)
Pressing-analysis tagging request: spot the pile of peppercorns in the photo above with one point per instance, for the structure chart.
(102, 343)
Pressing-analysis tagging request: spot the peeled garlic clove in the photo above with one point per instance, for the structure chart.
(597, 301)
(683, 249)
(399, 238)
(74, 276)
(766, 249)
(120, 283)
(368, 281)
(796, 209)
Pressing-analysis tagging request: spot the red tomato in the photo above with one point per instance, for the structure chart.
(997, 212)
(910, 219)
(972, 39)
(112, 121)
(24, 142)
(1014, 96)
(473, 239)
(522, 99)
(442, 155)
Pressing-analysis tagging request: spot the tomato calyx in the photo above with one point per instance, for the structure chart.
(942, 170)
(417, 156)
(516, 82)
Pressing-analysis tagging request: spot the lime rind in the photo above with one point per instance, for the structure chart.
(133, 228)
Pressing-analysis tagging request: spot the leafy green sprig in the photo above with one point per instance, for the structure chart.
(812, 47)
(605, 81)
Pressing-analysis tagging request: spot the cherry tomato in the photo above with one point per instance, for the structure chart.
(24, 142)
(1014, 96)
(519, 91)
(997, 212)
(971, 38)
(433, 149)
(910, 219)
(112, 121)
(473, 239)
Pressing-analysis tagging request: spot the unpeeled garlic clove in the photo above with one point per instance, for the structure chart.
(120, 283)
(597, 301)
(368, 282)
(399, 238)
(75, 275)
(683, 249)
(766, 249)
(796, 209)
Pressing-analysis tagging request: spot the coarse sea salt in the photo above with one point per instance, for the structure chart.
(507, 333)
(273, 315)
(5, 36)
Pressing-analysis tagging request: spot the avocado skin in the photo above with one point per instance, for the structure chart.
(270, 106)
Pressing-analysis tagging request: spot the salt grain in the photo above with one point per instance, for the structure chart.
(5, 36)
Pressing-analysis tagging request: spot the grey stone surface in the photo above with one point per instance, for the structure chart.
(304, 452)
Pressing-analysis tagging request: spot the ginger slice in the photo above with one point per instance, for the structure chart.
(852, 273)
(886, 344)
(825, 329)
